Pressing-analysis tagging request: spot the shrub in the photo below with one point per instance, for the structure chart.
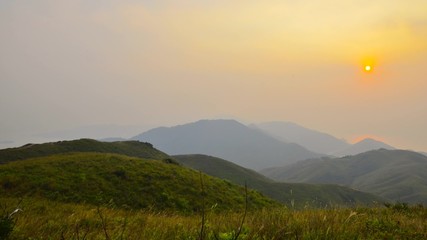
(7, 224)
(6, 227)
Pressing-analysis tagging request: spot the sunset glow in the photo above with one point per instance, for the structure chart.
(141, 62)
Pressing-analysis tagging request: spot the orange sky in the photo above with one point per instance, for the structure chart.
(71, 63)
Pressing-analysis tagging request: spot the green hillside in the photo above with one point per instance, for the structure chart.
(393, 174)
(223, 169)
(129, 148)
(98, 178)
(296, 194)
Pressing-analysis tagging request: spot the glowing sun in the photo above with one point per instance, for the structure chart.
(368, 68)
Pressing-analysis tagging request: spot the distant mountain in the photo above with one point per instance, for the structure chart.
(364, 145)
(393, 174)
(227, 139)
(311, 139)
(313, 195)
(136, 183)
(128, 148)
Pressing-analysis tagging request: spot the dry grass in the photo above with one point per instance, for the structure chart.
(43, 219)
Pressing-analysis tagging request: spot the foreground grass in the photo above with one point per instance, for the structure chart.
(41, 219)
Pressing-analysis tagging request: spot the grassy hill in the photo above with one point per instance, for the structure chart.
(129, 148)
(98, 178)
(394, 174)
(295, 194)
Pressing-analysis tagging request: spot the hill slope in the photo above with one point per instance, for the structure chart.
(394, 174)
(314, 195)
(98, 178)
(311, 139)
(227, 139)
(129, 148)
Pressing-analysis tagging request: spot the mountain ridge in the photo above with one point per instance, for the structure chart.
(226, 139)
(313, 140)
(318, 141)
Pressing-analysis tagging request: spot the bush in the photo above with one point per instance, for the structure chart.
(6, 226)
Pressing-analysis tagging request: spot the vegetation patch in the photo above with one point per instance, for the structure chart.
(44, 219)
(99, 178)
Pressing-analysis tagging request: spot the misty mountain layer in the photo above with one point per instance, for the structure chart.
(317, 141)
(226, 139)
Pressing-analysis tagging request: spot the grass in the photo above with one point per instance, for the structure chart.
(100, 178)
(44, 219)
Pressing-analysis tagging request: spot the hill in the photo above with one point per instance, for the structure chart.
(311, 139)
(393, 174)
(364, 145)
(227, 139)
(296, 194)
(128, 148)
(99, 178)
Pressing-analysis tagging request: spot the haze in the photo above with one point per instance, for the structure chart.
(66, 64)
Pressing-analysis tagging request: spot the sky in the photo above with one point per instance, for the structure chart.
(141, 64)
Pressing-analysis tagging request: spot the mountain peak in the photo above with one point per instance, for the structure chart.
(371, 142)
(368, 140)
(364, 145)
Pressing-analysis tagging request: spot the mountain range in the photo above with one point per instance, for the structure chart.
(227, 139)
(138, 175)
(391, 174)
(398, 175)
(256, 146)
(311, 139)
(318, 141)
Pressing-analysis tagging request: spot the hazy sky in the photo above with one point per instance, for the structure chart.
(65, 64)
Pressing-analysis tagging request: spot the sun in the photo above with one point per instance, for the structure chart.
(368, 68)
